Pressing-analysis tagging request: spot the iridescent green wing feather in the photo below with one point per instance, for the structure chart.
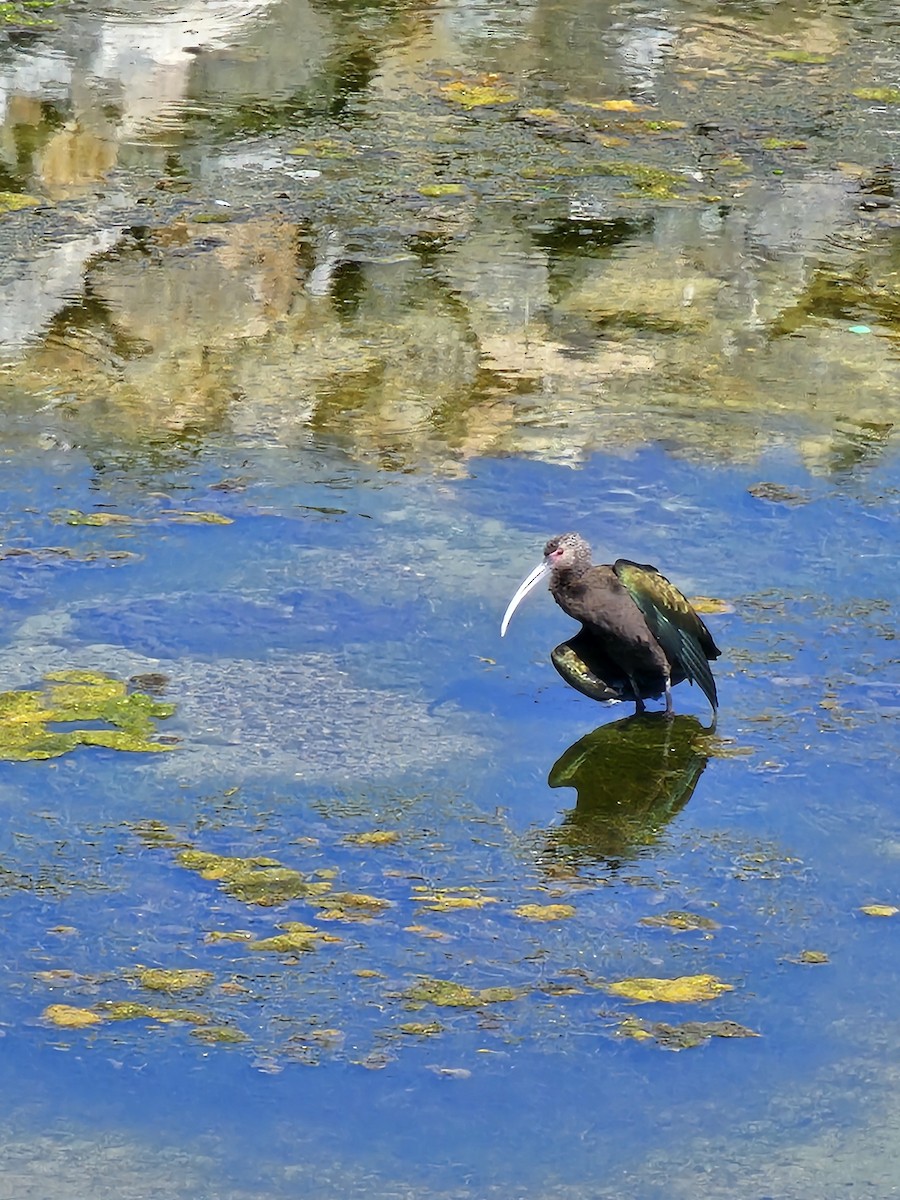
(673, 622)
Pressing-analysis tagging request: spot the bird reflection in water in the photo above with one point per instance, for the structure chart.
(631, 778)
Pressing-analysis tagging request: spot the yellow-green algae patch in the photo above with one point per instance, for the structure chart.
(425, 931)
(545, 912)
(219, 1035)
(880, 910)
(486, 91)
(447, 994)
(679, 921)
(648, 180)
(175, 516)
(221, 866)
(74, 516)
(435, 190)
(373, 837)
(296, 937)
(655, 126)
(421, 1028)
(682, 1037)
(881, 95)
(187, 516)
(777, 143)
(686, 989)
(134, 1010)
(190, 979)
(58, 977)
(24, 14)
(324, 147)
(710, 605)
(626, 106)
(75, 696)
(227, 935)
(447, 899)
(328, 1039)
(263, 881)
(69, 1016)
(12, 201)
(812, 958)
(351, 906)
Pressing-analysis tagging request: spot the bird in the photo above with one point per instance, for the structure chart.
(639, 636)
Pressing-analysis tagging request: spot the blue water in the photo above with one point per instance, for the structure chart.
(791, 826)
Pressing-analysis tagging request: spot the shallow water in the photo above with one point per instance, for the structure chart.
(296, 461)
(779, 844)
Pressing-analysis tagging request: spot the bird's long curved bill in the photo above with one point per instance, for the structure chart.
(526, 586)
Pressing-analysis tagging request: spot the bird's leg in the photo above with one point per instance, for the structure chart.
(638, 702)
(670, 711)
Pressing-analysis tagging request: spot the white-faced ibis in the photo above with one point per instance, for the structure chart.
(639, 636)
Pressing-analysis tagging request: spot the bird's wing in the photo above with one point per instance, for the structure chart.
(673, 622)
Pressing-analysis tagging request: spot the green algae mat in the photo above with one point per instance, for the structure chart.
(101, 708)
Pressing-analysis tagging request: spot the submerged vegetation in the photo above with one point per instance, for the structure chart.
(355, 964)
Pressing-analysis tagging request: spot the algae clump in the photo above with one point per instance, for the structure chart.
(421, 1028)
(685, 1036)
(680, 921)
(13, 201)
(219, 1035)
(263, 881)
(447, 899)
(352, 906)
(486, 91)
(648, 180)
(447, 994)
(296, 937)
(545, 912)
(373, 837)
(177, 516)
(190, 979)
(77, 696)
(133, 1010)
(69, 1016)
(881, 95)
(686, 989)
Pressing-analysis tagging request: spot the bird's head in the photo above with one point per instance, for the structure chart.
(567, 552)
(563, 554)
